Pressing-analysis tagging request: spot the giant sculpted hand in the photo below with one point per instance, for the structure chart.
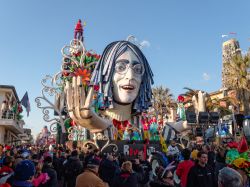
(79, 106)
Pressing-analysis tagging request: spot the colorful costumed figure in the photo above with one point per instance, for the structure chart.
(146, 127)
(181, 110)
(136, 134)
(127, 134)
(43, 136)
(154, 133)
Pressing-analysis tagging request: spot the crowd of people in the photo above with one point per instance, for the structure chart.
(59, 166)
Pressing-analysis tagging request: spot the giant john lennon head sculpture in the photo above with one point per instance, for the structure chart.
(124, 79)
(124, 76)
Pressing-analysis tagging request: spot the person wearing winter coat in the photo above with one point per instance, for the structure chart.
(108, 168)
(90, 178)
(49, 169)
(24, 172)
(146, 169)
(201, 175)
(127, 177)
(6, 171)
(39, 178)
(184, 167)
(72, 168)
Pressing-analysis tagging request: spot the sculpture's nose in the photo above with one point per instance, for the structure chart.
(129, 74)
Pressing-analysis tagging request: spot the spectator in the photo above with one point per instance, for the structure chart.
(48, 168)
(146, 167)
(108, 168)
(127, 177)
(58, 166)
(164, 178)
(184, 167)
(24, 172)
(72, 169)
(201, 175)
(89, 178)
(220, 162)
(229, 177)
(211, 155)
(6, 171)
(173, 149)
(40, 178)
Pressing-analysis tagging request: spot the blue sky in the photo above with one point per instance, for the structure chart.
(184, 39)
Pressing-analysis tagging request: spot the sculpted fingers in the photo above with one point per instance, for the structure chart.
(69, 99)
(89, 98)
(69, 95)
(81, 92)
(76, 96)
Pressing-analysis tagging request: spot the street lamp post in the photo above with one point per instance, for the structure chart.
(231, 107)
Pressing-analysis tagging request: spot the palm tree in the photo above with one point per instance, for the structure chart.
(238, 80)
(217, 104)
(162, 101)
(188, 97)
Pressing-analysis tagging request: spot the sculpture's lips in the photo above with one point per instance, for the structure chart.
(128, 87)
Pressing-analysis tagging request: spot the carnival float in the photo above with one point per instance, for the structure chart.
(102, 102)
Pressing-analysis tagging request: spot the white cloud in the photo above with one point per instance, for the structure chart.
(206, 76)
(142, 44)
(145, 43)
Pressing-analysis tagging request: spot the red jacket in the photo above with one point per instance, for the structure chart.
(5, 170)
(182, 171)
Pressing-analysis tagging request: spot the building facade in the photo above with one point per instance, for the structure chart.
(229, 49)
(11, 123)
(26, 137)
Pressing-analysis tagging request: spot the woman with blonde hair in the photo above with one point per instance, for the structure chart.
(127, 177)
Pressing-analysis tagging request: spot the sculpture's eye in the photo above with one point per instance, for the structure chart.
(120, 67)
(138, 69)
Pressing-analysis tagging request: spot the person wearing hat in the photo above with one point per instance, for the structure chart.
(24, 172)
(89, 178)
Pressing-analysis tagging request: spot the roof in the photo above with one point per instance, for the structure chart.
(12, 88)
(216, 92)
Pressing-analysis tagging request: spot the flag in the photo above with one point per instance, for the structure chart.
(242, 146)
(26, 103)
(224, 35)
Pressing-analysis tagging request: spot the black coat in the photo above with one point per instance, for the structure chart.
(125, 179)
(71, 169)
(58, 166)
(157, 184)
(52, 182)
(107, 170)
(200, 177)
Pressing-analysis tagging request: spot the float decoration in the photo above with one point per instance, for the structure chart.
(181, 110)
(237, 159)
(52, 87)
(76, 62)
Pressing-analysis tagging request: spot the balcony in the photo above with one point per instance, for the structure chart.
(9, 121)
